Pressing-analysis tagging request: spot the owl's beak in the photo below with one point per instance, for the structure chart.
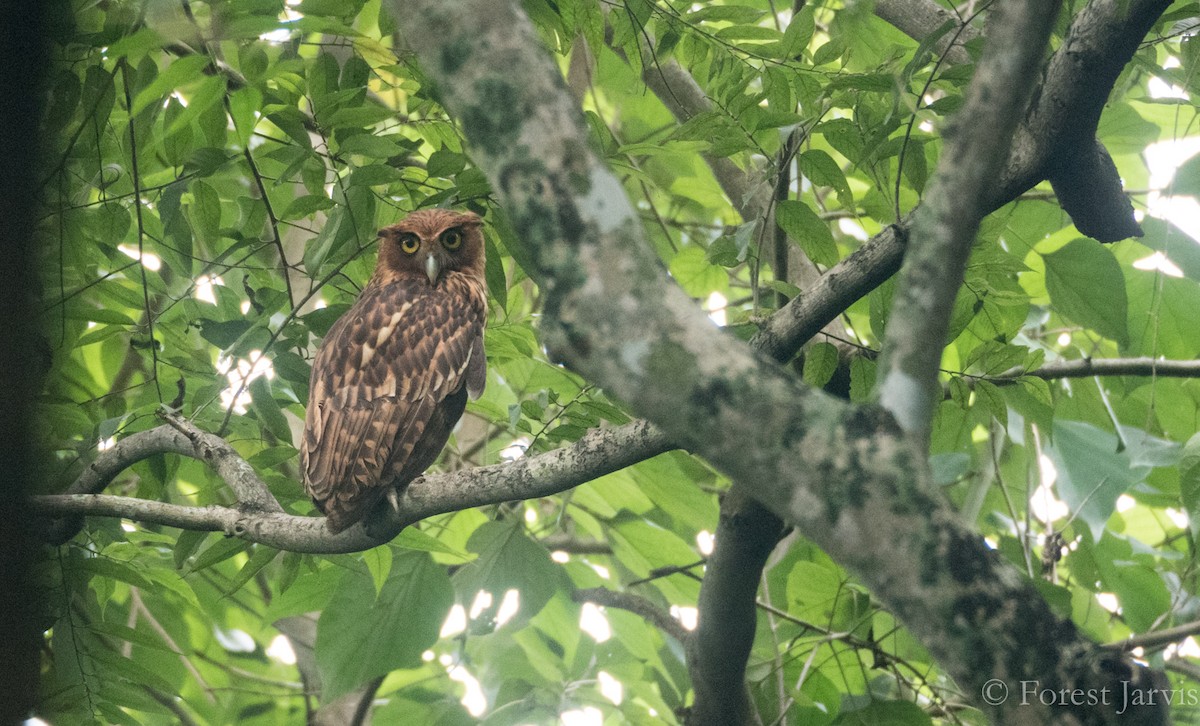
(432, 269)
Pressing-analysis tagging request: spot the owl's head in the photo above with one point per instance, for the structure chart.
(431, 243)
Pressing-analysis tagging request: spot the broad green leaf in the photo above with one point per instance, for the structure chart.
(206, 210)
(180, 71)
(1187, 178)
(862, 379)
(379, 564)
(218, 551)
(822, 170)
(493, 273)
(1189, 483)
(1092, 472)
(361, 635)
(804, 226)
(415, 539)
(1086, 286)
(310, 592)
(116, 569)
(379, 147)
(1161, 309)
(262, 556)
(508, 560)
(206, 96)
(244, 105)
(189, 541)
(820, 362)
(268, 411)
(885, 713)
(224, 334)
(695, 274)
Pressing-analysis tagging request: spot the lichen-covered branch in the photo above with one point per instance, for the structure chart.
(919, 19)
(597, 453)
(944, 227)
(178, 436)
(846, 476)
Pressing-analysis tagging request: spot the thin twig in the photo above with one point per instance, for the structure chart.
(141, 228)
(637, 605)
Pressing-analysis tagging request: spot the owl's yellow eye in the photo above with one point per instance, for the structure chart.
(452, 239)
(409, 244)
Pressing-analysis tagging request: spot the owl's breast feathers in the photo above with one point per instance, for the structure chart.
(388, 385)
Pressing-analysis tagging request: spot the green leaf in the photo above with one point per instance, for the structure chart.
(493, 273)
(822, 170)
(182, 70)
(187, 544)
(244, 106)
(219, 551)
(268, 411)
(820, 362)
(862, 379)
(1092, 471)
(366, 144)
(695, 274)
(320, 321)
(1187, 178)
(272, 457)
(1086, 286)
(1189, 482)
(116, 569)
(310, 592)
(206, 210)
(991, 397)
(508, 560)
(223, 334)
(886, 713)
(360, 116)
(262, 556)
(414, 539)
(445, 163)
(1161, 311)
(207, 95)
(804, 226)
(361, 635)
(137, 637)
(379, 564)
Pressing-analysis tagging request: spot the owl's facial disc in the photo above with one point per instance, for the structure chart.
(433, 269)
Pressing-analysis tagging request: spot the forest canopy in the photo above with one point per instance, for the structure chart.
(983, 468)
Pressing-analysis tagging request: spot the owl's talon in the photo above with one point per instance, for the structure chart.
(393, 497)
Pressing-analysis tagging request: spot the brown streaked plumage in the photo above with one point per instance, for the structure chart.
(391, 378)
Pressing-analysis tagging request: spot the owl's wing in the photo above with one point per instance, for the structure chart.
(382, 375)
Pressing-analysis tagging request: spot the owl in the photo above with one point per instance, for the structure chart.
(392, 377)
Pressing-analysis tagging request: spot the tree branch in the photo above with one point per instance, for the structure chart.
(1087, 367)
(746, 534)
(846, 476)
(944, 226)
(1058, 138)
(918, 19)
(259, 518)
(637, 605)
(1158, 638)
(1053, 115)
